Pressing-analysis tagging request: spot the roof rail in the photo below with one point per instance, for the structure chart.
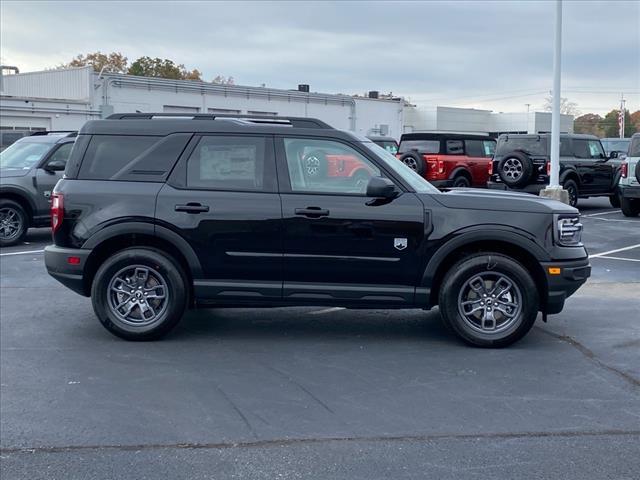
(42, 133)
(296, 122)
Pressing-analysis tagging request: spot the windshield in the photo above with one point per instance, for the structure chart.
(23, 155)
(616, 145)
(391, 147)
(415, 181)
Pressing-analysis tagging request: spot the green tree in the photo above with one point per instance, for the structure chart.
(610, 125)
(588, 123)
(635, 120)
(114, 62)
(162, 68)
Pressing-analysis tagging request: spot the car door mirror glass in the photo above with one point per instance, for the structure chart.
(379, 187)
(55, 166)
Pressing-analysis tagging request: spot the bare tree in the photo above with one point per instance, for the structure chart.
(566, 106)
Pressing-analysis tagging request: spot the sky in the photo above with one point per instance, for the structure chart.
(487, 55)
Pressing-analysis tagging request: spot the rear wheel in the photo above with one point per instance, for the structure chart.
(13, 223)
(630, 207)
(461, 181)
(614, 200)
(139, 294)
(489, 300)
(572, 189)
(515, 169)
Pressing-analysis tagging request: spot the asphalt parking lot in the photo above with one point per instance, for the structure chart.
(323, 393)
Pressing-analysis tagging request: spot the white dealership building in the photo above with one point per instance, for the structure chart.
(65, 99)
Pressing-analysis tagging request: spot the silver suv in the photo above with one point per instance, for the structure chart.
(629, 185)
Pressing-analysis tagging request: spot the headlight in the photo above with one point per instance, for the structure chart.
(568, 230)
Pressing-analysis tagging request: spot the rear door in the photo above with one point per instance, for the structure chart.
(341, 246)
(47, 178)
(479, 153)
(595, 172)
(222, 198)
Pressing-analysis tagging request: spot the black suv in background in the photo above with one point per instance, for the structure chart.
(29, 169)
(522, 163)
(156, 216)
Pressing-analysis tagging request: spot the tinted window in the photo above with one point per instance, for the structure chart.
(108, 154)
(475, 148)
(326, 166)
(228, 163)
(565, 147)
(455, 147)
(634, 148)
(423, 146)
(532, 146)
(489, 147)
(587, 149)
(390, 147)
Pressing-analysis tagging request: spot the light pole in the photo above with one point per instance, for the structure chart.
(554, 190)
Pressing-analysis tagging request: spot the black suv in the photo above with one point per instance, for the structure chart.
(156, 216)
(522, 163)
(29, 169)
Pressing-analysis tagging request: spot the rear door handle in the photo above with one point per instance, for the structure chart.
(312, 212)
(192, 208)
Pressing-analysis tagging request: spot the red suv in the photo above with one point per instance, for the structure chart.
(448, 159)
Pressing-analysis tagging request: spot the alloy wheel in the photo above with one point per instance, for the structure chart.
(490, 302)
(10, 223)
(513, 168)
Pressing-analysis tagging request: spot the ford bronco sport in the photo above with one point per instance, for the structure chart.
(522, 163)
(29, 169)
(448, 159)
(157, 216)
(629, 186)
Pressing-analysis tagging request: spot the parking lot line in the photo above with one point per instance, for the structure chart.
(619, 258)
(20, 253)
(602, 213)
(623, 249)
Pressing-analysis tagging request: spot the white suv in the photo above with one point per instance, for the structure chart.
(629, 185)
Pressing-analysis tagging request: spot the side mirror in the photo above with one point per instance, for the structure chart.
(55, 166)
(613, 154)
(379, 187)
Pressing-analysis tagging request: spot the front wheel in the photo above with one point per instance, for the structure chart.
(139, 294)
(630, 207)
(489, 300)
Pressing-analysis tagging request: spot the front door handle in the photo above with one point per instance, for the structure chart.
(312, 212)
(192, 208)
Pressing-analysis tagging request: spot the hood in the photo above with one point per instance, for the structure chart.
(502, 201)
(13, 172)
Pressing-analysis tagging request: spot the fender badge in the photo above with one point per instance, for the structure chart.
(400, 243)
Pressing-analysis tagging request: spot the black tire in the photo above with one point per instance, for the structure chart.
(523, 294)
(461, 181)
(614, 200)
(515, 169)
(124, 271)
(638, 171)
(414, 161)
(630, 206)
(572, 189)
(14, 223)
(314, 164)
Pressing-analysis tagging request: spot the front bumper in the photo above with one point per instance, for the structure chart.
(629, 191)
(532, 188)
(56, 259)
(573, 274)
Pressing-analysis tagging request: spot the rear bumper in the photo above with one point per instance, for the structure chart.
(629, 191)
(532, 188)
(573, 274)
(56, 259)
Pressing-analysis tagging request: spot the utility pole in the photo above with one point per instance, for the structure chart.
(554, 190)
(621, 115)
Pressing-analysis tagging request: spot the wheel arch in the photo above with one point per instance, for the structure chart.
(21, 197)
(570, 174)
(508, 243)
(139, 234)
(461, 170)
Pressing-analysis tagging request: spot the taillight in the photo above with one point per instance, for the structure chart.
(440, 166)
(548, 168)
(57, 211)
(490, 167)
(625, 169)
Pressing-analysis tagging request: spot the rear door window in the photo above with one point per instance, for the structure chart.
(588, 149)
(230, 163)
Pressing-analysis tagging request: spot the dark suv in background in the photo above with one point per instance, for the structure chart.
(522, 163)
(448, 159)
(156, 216)
(29, 169)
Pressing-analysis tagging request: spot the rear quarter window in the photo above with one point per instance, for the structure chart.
(422, 146)
(107, 155)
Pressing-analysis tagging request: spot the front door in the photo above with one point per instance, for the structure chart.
(341, 246)
(222, 198)
(595, 172)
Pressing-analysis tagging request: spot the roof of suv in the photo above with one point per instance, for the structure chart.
(158, 124)
(545, 135)
(444, 136)
(51, 137)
